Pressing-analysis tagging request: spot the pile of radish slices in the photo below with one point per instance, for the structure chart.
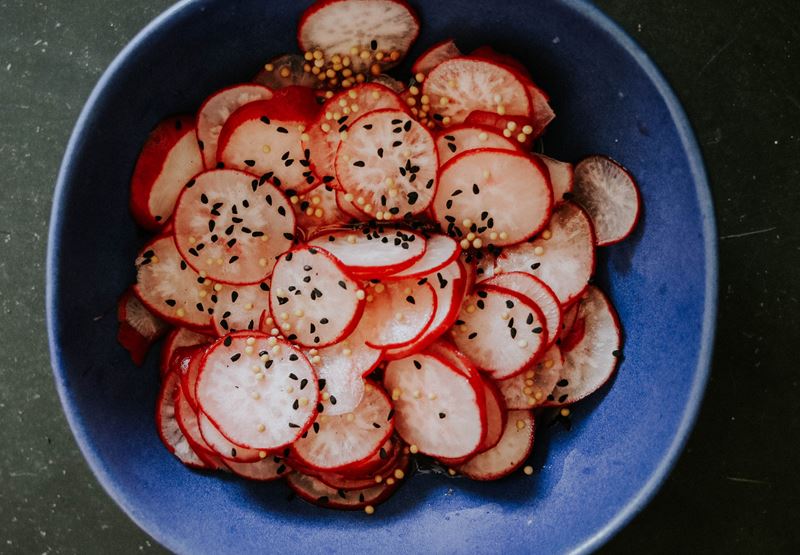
(351, 271)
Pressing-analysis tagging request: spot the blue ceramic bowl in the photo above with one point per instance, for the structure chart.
(589, 481)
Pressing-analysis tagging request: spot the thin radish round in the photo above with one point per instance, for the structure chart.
(441, 251)
(562, 256)
(450, 354)
(517, 128)
(500, 197)
(373, 251)
(460, 138)
(287, 71)
(458, 86)
(561, 176)
(501, 331)
(138, 327)
(348, 207)
(316, 210)
(388, 164)
(168, 429)
(267, 469)
(481, 262)
(317, 492)
(399, 313)
(334, 442)
(239, 307)
(186, 417)
(393, 459)
(216, 110)
(389, 82)
(335, 27)
(259, 391)
(437, 408)
(222, 446)
(530, 389)
(541, 114)
(169, 288)
(374, 463)
(592, 361)
(538, 292)
(341, 381)
(609, 195)
(177, 338)
(232, 226)
(313, 299)
(435, 55)
(186, 363)
(509, 454)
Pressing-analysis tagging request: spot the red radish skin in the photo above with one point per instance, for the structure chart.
(561, 177)
(138, 328)
(488, 53)
(393, 461)
(496, 416)
(610, 197)
(399, 313)
(169, 158)
(562, 256)
(221, 446)
(232, 226)
(176, 339)
(502, 197)
(542, 112)
(531, 388)
(187, 421)
(216, 110)
(435, 55)
(460, 138)
(186, 361)
(167, 425)
(509, 454)
(264, 470)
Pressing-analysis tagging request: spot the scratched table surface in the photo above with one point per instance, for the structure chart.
(735, 65)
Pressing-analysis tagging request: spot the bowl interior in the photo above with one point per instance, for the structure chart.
(588, 480)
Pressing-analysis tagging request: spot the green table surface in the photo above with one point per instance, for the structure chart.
(734, 64)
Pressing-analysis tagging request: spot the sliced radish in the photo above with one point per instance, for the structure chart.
(393, 458)
(335, 27)
(169, 288)
(490, 54)
(437, 408)
(336, 116)
(341, 381)
(482, 263)
(373, 251)
(461, 138)
(590, 363)
(501, 331)
(458, 86)
(187, 362)
(500, 197)
(609, 195)
(348, 207)
(531, 388)
(389, 82)
(167, 424)
(389, 164)
(169, 158)
(239, 307)
(449, 286)
(265, 138)
(399, 313)
(232, 226)
(537, 291)
(216, 110)
(441, 251)
(222, 446)
(561, 176)
(562, 256)
(542, 113)
(334, 442)
(316, 210)
(573, 335)
(509, 454)
(450, 354)
(287, 71)
(267, 469)
(519, 129)
(190, 428)
(317, 492)
(176, 339)
(257, 395)
(313, 299)
(435, 55)
(138, 327)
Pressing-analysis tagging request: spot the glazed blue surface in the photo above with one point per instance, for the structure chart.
(589, 481)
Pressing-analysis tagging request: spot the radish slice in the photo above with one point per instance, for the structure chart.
(313, 300)
(542, 113)
(265, 470)
(266, 412)
(341, 381)
(518, 128)
(393, 459)
(441, 251)
(462, 138)
(389, 82)
(337, 26)
(437, 408)
(531, 388)
(336, 116)
(239, 307)
(373, 251)
(232, 226)
(138, 327)
(176, 339)
(481, 262)
(537, 291)
(317, 492)
(388, 161)
(468, 84)
(190, 428)
(316, 210)
(169, 159)
(501, 197)
(287, 71)
(435, 55)
(509, 454)
(216, 110)
(220, 444)
(335, 442)
(501, 331)
(565, 261)
(169, 288)
(187, 361)
(349, 208)
(168, 429)
(561, 176)
(590, 363)
(609, 195)
(451, 355)
(399, 313)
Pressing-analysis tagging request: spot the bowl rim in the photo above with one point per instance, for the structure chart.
(705, 203)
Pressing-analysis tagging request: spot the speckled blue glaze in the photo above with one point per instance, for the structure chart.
(589, 482)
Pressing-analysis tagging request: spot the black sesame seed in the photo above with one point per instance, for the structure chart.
(473, 335)
(236, 357)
